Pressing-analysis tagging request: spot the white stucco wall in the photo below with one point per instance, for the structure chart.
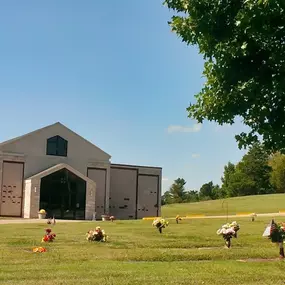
(33, 146)
(31, 149)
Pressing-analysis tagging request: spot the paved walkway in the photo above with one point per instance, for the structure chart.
(26, 221)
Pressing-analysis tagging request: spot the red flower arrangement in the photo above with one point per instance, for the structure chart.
(48, 237)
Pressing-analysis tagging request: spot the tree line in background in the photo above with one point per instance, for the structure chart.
(257, 173)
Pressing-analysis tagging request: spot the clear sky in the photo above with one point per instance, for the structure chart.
(114, 73)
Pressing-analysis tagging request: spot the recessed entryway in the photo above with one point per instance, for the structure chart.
(63, 195)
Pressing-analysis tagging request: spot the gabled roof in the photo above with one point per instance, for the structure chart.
(48, 127)
(58, 167)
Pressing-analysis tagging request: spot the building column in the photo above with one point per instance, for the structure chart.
(1, 175)
(27, 199)
(35, 198)
(90, 200)
(107, 201)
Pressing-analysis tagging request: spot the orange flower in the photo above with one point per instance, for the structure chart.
(39, 249)
(45, 238)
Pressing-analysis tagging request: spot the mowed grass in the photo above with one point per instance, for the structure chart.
(255, 204)
(137, 254)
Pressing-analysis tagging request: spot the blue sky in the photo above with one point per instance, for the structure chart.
(114, 73)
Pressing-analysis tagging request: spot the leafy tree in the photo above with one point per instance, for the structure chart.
(252, 174)
(255, 165)
(217, 192)
(209, 191)
(241, 184)
(277, 178)
(177, 190)
(191, 196)
(166, 198)
(243, 46)
(206, 190)
(229, 170)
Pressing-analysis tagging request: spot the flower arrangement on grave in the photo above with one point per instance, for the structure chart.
(51, 221)
(97, 235)
(42, 214)
(228, 231)
(276, 233)
(49, 236)
(160, 224)
(253, 216)
(178, 218)
(39, 249)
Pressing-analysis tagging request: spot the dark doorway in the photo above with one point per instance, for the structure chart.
(63, 195)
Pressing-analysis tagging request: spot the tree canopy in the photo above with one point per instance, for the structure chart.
(229, 171)
(209, 191)
(176, 192)
(243, 44)
(277, 178)
(251, 176)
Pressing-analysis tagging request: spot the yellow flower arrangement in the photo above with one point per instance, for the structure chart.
(160, 224)
(178, 218)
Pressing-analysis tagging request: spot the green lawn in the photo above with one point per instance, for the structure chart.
(257, 204)
(137, 254)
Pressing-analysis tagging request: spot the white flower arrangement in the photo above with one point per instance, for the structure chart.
(160, 224)
(229, 231)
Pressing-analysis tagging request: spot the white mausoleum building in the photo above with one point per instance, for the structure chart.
(55, 169)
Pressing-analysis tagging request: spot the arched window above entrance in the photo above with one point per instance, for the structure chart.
(57, 146)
